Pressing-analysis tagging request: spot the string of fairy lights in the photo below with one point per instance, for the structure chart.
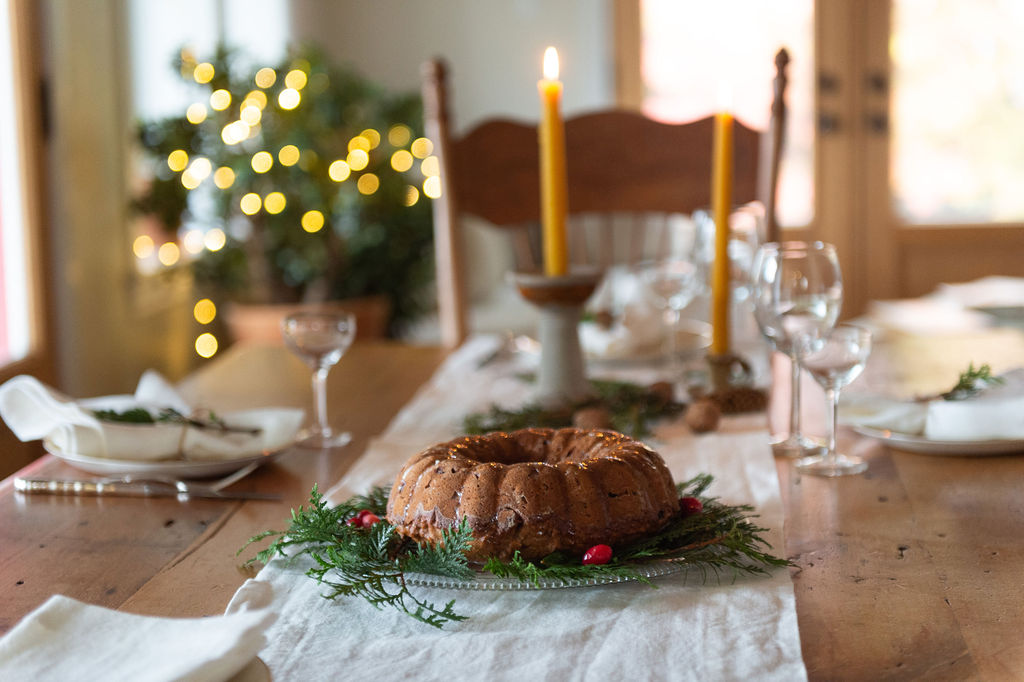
(197, 171)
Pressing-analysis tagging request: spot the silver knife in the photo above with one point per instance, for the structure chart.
(130, 489)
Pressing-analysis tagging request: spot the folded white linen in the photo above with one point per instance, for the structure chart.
(987, 292)
(996, 413)
(65, 639)
(34, 411)
(638, 330)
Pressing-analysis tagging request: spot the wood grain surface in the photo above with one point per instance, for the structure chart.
(910, 571)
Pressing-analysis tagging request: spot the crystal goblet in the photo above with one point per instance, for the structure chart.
(319, 339)
(834, 361)
(798, 291)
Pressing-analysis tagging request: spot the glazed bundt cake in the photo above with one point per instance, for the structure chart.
(534, 490)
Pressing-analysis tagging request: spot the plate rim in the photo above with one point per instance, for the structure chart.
(909, 442)
(181, 468)
(487, 582)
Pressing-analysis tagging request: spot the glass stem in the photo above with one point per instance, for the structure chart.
(320, 399)
(794, 403)
(672, 342)
(833, 415)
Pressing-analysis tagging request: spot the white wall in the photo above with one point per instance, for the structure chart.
(494, 50)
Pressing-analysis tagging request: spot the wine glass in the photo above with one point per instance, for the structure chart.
(320, 339)
(671, 284)
(798, 291)
(834, 361)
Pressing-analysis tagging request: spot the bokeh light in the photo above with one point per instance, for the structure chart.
(177, 160)
(399, 135)
(358, 159)
(265, 77)
(204, 311)
(224, 177)
(289, 98)
(368, 183)
(312, 221)
(143, 246)
(274, 203)
(401, 160)
(372, 136)
(250, 203)
(206, 345)
(295, 79)
(262, 161)
(421, 147)
(196, 113)
(288, 155)
(339, 171)
(432, 187)
(412, 195)
(215, 239)
(192, 242)
(203, 73)
(168, 253)
(220, 100)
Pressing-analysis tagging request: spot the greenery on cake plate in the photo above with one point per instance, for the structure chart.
(631, 408)
(372, 563)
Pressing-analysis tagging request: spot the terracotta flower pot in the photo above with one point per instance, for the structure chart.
(261, 323)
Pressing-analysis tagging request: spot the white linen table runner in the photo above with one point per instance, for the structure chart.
(733, 630)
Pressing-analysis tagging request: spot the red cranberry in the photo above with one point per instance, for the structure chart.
(357, 520)
(598, 554)
(368, 519)
(690, 506)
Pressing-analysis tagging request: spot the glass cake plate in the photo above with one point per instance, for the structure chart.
(486, 581)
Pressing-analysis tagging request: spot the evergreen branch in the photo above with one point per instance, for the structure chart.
(972, 382)
(373, 563)
(631, 409)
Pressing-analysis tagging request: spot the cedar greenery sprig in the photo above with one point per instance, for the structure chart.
(373, 563)
(631, 408)
(169, 415)
(972, 382)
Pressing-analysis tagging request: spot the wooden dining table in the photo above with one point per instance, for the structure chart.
(911, 570)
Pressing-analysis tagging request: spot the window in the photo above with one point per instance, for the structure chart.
(691, 50)
(15, 292)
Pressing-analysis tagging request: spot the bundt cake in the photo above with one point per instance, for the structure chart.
(534, 490)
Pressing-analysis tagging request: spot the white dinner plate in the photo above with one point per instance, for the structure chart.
(959, 448)
(174, 468)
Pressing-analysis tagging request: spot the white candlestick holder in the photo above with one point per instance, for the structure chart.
(561, 377)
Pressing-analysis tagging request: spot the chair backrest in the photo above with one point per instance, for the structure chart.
(620, 164)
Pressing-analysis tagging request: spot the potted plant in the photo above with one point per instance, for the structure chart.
(303, 181)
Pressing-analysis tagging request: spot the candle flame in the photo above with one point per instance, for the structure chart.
(551, 63)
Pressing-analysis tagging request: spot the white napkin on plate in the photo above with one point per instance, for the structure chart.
(65, 639)
(34, 411)
(996, 413)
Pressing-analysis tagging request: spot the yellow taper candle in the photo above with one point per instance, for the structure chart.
(721, 204)
(554, 187)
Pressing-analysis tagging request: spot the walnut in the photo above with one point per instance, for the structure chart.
(662, 391)
(592, 418)
(703, 415)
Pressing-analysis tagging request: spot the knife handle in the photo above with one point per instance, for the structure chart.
(35, 486)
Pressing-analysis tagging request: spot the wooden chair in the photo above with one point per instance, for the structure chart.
(622, 168)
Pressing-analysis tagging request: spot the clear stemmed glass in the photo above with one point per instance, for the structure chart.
(798, 291)
(671, 284)
(834, 361)
(320, 339)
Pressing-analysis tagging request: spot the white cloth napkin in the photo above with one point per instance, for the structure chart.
(742, 629)
(637, 326)
(996, 413)
(35, 411)
(987, 292)
(65, 639)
